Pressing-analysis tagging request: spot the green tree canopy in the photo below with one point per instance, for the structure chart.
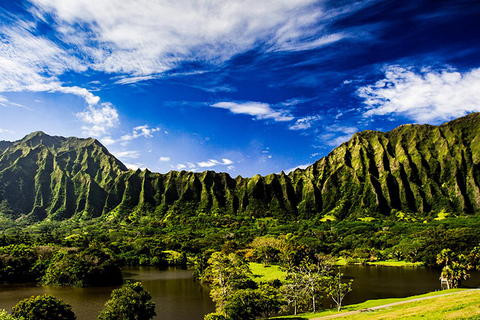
(130, 302)
(44, 307)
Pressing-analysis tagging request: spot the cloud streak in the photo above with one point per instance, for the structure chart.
(144, 38)
(426, 95)
(212, 163)
(260, 111)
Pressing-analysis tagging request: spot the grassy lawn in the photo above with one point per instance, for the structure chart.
(386, 263)
(441, 301)
(395, 263)
(464, 305)
(264, 274)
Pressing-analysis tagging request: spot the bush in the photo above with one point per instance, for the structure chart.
(130, 302)
(92, 267)
(44, 307)
(215, 316)
(5, 316)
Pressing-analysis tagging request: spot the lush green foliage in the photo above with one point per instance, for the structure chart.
(130, 302)
(44, 307)
(5, 316)
(90, 267)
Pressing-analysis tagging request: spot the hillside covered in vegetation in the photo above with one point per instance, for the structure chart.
(416, 171)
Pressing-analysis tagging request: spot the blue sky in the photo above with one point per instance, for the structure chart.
(245, 87)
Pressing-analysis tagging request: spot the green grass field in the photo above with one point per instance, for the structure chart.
(464, 304)
(265, 274)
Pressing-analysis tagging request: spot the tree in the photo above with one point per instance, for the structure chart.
(91, 267)
(243, 305)
(5, 316)
(474, 258)
(226, 273)
(130, 302)
(292, 291)
(269, 300)
(312, 281)
(44, 307)
(454, 270)
(214, 316)
(338, 290)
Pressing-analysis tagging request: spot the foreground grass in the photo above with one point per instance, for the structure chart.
(464, 305)
(433, 303)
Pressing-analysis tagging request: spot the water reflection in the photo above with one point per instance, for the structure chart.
(176, 295)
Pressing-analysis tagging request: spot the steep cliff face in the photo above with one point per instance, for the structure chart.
(59, 178)
(414, 168)
(420, 169)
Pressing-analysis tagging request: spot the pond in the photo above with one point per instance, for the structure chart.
(176, 294)
(178, 297)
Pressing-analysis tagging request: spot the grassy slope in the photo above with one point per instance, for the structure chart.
(465, 304)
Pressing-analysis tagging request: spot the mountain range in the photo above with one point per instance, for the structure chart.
(417, 170)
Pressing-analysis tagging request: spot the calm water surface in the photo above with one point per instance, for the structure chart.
(178, 297)
(176, 294)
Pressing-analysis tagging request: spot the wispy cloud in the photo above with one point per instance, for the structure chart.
(425, 95)
(305, 122)
(302, 166)
(140, 131)
(6, 131)
(212, 163)
(7, 103)
(131, 154)
(32, 63)
(258, 110)
(164, 159)
(145, 38)
(335, 135)
(99, 119)
(135, 165)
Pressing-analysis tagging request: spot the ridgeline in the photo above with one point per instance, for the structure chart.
(419, 170)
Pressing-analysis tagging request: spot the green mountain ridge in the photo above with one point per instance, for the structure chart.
(417, 170)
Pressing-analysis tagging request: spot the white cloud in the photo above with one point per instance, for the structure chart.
(258, 110)
(107, 141)
(181, 166)
(164, 159)
(6, 131)
(99, 119)
(135, 166)
(212, 163)
(302, 166)
(132, 154)
(144, 38)
(304, 123)
(336, 135)
(425, 96)
(6, 103)
(32, 63)
(140, 131)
